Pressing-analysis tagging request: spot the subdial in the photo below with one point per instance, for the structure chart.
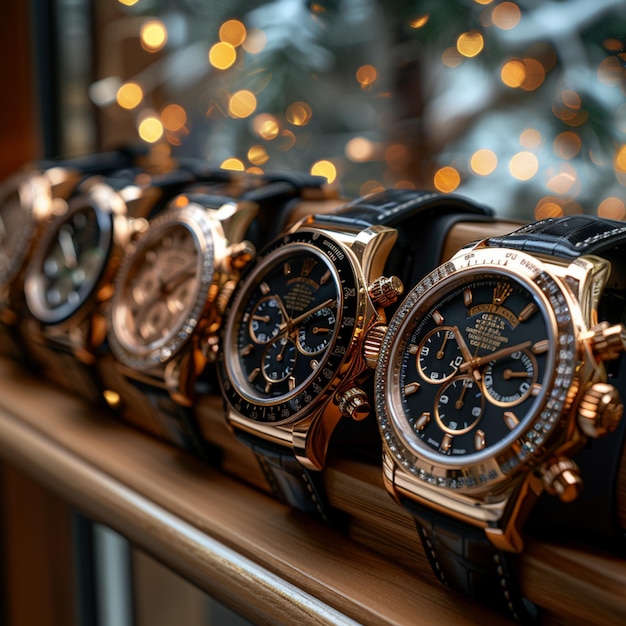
(510, 380)
(266, 319)
(459, 405)
(279, 359)
(316, 331)
(439, 355)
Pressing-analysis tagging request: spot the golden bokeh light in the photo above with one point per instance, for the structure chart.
(513, 73)
(255, 41)
(153, 35)
(530, 138)
(611, 72)
(128, 3)
(420, 21)
(565, 181)
(612, 208)
(266, 126)
(483, 1)
(253, 169)
(286, 140)
(257, 155)
(470, 44)
(129, 95)
(359, 149)
(150, 129)
(366, 75)
(222, 55)
(173, 117)
(447, 179)
(298, 114)
(451, 57)
(535, 74)
(506, 15)
(620, 159)
(548, 207)
(483, 162)
(567, 145)
(524, 165)
(242, 104)
(326, 169)
(232, 32)
(404, 184)
(233, 164)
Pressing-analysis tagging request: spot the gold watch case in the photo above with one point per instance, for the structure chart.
(493, 485)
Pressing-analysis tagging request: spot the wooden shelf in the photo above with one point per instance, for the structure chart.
(222, 531)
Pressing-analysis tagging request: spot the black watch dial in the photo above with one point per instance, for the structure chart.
(289, 327)
(69, 262)
(475, 357)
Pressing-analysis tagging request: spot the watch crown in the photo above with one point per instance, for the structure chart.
(240, 254)
(354, 403)
(224, 295)
(600, 410)
(372, 344)
(607, 342)
(562, 478)
(385, 290)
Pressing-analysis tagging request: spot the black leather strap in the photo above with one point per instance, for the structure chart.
(98, 162)
(291, 482)
(423, 220)
(465, 560)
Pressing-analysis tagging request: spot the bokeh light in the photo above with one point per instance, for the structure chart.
(129, 95)
(222, 55)
(524, 165)
(150, 129)
(366, 75)
(258, 155)
(483, 162)
(567, 145)
(452, 57)
(470, 44)
(242, 104)
(447, 179)
(266, 126)
(173, 117)
(359, 149)
(326, 169)
(612, 208)
(298, 114)
(420, 21)
(547, 208)
(255, 41)
(233, 164)
(153, 35)
(506, 15)
(530, 138)
(232, 32)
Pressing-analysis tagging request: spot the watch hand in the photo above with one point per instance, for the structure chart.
(477, 362)
(68, 249)
(458, 405)
(441, 350)
(296, 320)
(508, 374)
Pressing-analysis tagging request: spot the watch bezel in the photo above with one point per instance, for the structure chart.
(540, 431)
(33, 287)
(198, 222)
(351, 306)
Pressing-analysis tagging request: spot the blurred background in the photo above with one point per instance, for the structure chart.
(520, 105)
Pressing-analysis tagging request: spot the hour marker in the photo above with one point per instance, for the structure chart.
(535, 390)
(437, 318)
(246, 350)
(265, 288)
(413, 348)
(422, 421)
(468, 296)
(479, 440)
(446, 442)
(528, 311)
(411, 388)
(253, 374)
(314, 364)
(510, 419)
(325, 277)
(501, 292)
(268, 386)
(287, 269)
(307, 266)
(541, 346)
(291, 383)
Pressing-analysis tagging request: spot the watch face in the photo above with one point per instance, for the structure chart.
(475, 370)
(290, 327)
(68, 262)
(162, 288)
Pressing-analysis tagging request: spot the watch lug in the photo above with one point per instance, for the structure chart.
(177, 375)
(236, 219)
(311, 436)
(372, 247)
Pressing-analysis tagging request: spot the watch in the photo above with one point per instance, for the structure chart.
(28, 201)
(494, 372)
(69, 277)
(292, 348)
(169, 301)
